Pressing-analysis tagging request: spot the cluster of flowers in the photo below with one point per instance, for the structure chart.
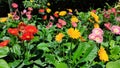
(23, 31)
(96, 35)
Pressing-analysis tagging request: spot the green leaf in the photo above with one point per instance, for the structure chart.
(112, 64)
(90, 53)
(79, 51)
(3, 64)
(43, 46)
(61, 65)
(16, 49)
(15, 63)
(112, 43)
(49, 37)
(4, 51)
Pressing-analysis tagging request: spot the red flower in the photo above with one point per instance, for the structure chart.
(44, 17)
(56, 15)
(107, 25)
(13, 31)
(41, 10)
(14, 5)
(4, 43)
(27, 36)
(32, 29)
(21, 27)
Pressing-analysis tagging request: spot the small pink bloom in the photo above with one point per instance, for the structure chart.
(117, 19)
(107, 15)
(98, 39)
(97, 31)
(29, 17)
(24, 12)
(92, 36)
(51, 18)
(16, 17)
(115, 30)
(14, 5)
(59, 25)
(74, 24)
(30, 8)
(94, 11)
(62, 22)
(107, 25)
(49, 25)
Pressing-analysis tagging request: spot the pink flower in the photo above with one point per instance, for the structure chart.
(29, 17)
(74, 24)
(107, 25)
(97, 31)
(94, 11)
(16, 17)
(107, 15)
(14, 5)
(30, 8)
(59, 25)
(98, 39)
(49, 25)
(92, 36)
(62, 22)
(24, 12)
(117, 19)
(115, 30)
(51, 18)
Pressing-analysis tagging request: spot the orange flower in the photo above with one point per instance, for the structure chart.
(27, 36)
(13, 31)
(44, 17)
(41, 10)
(4, 43)
(32, 29)
(56, 14)
(21, 27)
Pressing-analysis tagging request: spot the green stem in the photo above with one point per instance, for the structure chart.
(9, 2)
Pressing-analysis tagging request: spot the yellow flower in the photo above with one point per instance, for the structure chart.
(70, 10)
(96, 25)
(62, 13)
(59, 37)
(102, 54)
(48, 4)
(48, 10)
(73, 33)
(10, 15)
(96, 18)
(31, 0)
(3, 19)
(74, 19)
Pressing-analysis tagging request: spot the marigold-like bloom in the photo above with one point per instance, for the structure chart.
(62, 13)
(115, 29)
(4, 43)
(13, 31)
(74, 19)
(73, 33)
(41, 10)
(59, 37)
(103, 55)
(56, 14)
(96, 18)
(27, 36)
(3, 19)
(96, 25)
(48, 10)
(32, 29)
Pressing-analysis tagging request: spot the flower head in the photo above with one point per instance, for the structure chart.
(3, 19)
(14, 5)
(102, 54)
(13, 31)
(62, 22)
(97, 31)
(4, 43)
(98, 38)
(48, 10)
(107, 25)
(96, 18)
(115, 29)
(59, 37)
(32, 29)
(62, 13)
(27, 36)
(73, 33)
(74, 19)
